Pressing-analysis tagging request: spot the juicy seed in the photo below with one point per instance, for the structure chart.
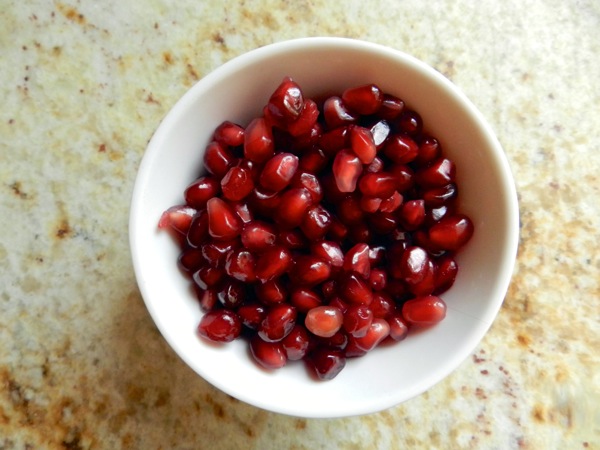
(346, 170)
(223, 222)
(286, 102)
(427, 310)
(270, 355)
(220, 326)
(327, 363)
(451, 233)
(278, 171)
(363, 144)
(324, 321)
(364, 100)
(258, 141)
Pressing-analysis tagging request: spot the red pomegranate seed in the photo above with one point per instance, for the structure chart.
(258, 235)
(401, 149)
(207, 299)
(310, 270)
(410, 122)
(278, 171)
(363, 100)
(414, 264)
(427, 284)
(329, 251)
(338, 231)
(216, 252)
(370, 204)
(309, 182)
(197, 233)
(305, 122)
(240, 265)
(237, 183)
(258, 141)
(376, 165)
(217, 159)
(220, 326)
(190, 260)
(292, 239)
(232, 294)
(359, 232)
(278, 322)
(412, 214)
(334, 140)
(378, 279)
(229, 133)
(379, 184)
(274, 262)
(177, 218)
(382, 305)
(264, 202)
(440, 173)
(398, 326)
(404, 177)
(427, 310)
(434, 215)
(327, 363)
(363, 144)
(293, 206)
(357, 320)
(242, 211)
(316, 222)
(380, 131)
(339, 340)
(207, 277)
(436, 197)
(270, 355)
(223, 222)
(336, 301)
(271, 292)
(376, 333)
(286, 102)
(296, 343)
(445, 275)
(201, 191)
(391, 107)
(336, 114)
(349, 211)
(429, 150)
(392, 203)
(377, 255)
(452, 232)
(313, 160)
(252, 314)
(324, 321)
(383, 223)
(304, 299)
(354, 289)
(347, 168)
(357, 260)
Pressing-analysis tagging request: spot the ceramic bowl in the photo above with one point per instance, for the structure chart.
(389, 375)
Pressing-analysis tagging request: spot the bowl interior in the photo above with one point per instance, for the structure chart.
(237, 91)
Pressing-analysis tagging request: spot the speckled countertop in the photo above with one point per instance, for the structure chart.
(83, 86)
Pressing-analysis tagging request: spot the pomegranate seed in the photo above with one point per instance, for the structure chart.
(200, 191)
(379, 184)
(404, 177)
(378, 279)
(376, 165)
(335, 140)
(293, 206)
(383, 223)
(240, 265)
(357, 320)
(316, 222)
(377, 255)
(391, 107)
(197, 233)
(427, 310)
(410, 122)
(270, 355)
(252, 315)
(177, 218)
(392, 203)
(339, 340)
(440, 173)
(223, 222)
(296, 343)
(338, 231)
(445, 274)
(232, 294)
(377, 332)
(327, 363)
(313, 160)
(229, 134)
(207, 299)
(363, 100)
(258, 141)
(336, 114)
(258, 235)
(357, 260)
(236, 184)
(242, 211)
(436, 197)
(216, 252)
(355, 290)
(207, 277)
(220, 326)
(414, 264)
(347, 168)
(273, 263)
(271, 292)
(305, 122)
(217, 159)
(398, 326)
(278, 171)
(380, 131)
(305, 299)
(264, 202)
(452, 232)
(401, 149)
(412, 214)
(310, 270)
(362, 144)
(349, 211)
(359, 232)
(309, 182)
(338, 303)
(190, 260)
(329, 251)
(287, 102)
(278, 322)
(394, 256)
(324, 321)
(292, 239)
(429, 150)
(370, 204)
(382, 305)
(434, 215)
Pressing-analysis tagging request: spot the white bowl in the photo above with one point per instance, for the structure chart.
(386, 376)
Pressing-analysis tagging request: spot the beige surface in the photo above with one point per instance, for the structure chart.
(84, 84)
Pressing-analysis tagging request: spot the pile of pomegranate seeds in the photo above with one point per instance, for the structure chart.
(321, 229)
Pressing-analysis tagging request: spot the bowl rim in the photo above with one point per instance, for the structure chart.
(304, 44)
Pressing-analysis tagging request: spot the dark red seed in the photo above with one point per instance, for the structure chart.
(390, 108)
(357, 260)
(347, 168)
(223, 222)
(440, 173)
(412, 214)
(258, 235)
(269, 355)
(274, 262)
(404, 176)
(446, 271)
(197, 232)
(292, 239)
(258, 141)
(401, 149)
(218, 159)
(293, 206)
(296, 343)
(363, 144)
(271, 292)
(317, 221)
(232, 294)
(378, 279)
(410, 122)
(216, 252)
(286, 102)
(398, 326)
(427, 310)
(336, 114)
(177, 218)
(263, 202)
(252, 314)
(207, 298)
(240, 264)
(278, 171)
(357, 320)
(229, 134)
(310, 270)
(309, 182)
(190, 260)
(220, 326)
(327, 363)
(452, 232)
(329, 251)
(383, 222)
(305, 122)
(354, 289)
(237, 183)
(278, 322)
(313, 160)
(208, 277)
(392, 203)
(304, 299)
(334, 140)
(379, 184)
(324, 321)
(363, 100)
(429, 150)
(382, 305)
(201, 191)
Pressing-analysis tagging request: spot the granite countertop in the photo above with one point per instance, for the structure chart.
(84, 84)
